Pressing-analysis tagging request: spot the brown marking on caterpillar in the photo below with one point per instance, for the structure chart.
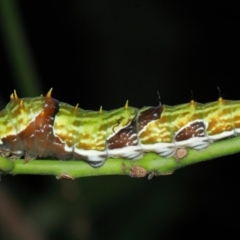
(37, 139)
(150, 114)
(13, 144)
(194, 129)
(137, 172)
(125, 137)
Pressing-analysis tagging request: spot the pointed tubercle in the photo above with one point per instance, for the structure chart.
(21, 104)
(49, 93)
(220, 99)
(15, 95)
(76, 107)
(11, 97)
(126, 105)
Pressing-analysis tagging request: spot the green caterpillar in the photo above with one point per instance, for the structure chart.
(42, 126)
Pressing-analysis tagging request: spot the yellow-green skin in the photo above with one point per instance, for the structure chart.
(43, 126)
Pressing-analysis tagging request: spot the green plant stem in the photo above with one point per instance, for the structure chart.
(152, 163)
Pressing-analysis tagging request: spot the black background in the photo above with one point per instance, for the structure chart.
(101, 53)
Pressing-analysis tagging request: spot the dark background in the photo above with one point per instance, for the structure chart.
(103, 53)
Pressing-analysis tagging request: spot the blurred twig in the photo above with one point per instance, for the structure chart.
(18, 50)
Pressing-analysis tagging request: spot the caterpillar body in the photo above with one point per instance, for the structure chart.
(42, 126)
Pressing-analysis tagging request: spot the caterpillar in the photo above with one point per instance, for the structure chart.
(42, 126)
